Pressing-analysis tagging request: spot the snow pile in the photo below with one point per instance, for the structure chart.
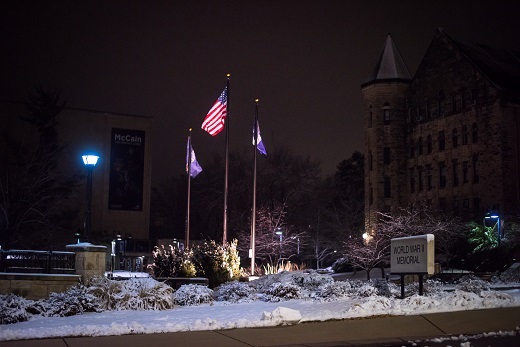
(283, 316)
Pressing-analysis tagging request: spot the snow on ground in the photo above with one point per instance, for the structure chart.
(226, 315)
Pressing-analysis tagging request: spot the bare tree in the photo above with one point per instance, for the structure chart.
(33, 200)
(275, 241)
(374, 250)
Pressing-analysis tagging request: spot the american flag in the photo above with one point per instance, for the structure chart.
(214, 121)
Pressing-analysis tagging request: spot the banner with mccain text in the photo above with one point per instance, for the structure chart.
(126, 170)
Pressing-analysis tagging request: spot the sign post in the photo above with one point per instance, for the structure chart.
(413, 255)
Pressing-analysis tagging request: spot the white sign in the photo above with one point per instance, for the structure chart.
(413, 255)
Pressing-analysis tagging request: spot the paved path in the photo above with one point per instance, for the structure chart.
(377, 331)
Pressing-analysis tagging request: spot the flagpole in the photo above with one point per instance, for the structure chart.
(188, 169)
(253, 213)
(224, 225)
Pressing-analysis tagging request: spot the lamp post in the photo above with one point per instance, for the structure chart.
(496, 217)
(90, 160)
(115, 237)
(279, 232)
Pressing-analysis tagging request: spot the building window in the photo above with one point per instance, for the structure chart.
(370, 161)
(387, 187)
(448, 105)
(420, 145)
(429, 144)
(475, 168)
(412, 180)
(464, 135)
(455, 165)
(455, 138)
(476, 206)
(386, 113)
(412, 148)
(442, 204)
(465, 205)
(370, 117)
(442, 141)
(442, 174)
(465, 170)
(433, 111)
(440, 102)
(386, 155)
(469, 99)
(420, 178)
(457, 103)
(429, 177)
(474, 133)
(456, 206)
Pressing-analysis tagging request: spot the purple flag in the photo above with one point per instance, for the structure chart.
(193, 167)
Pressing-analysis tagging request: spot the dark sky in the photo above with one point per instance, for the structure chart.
(304, 60)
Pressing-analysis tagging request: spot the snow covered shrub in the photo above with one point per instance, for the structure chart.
(172, 262)
(106, 291)
(132, 294)
(219, 264)
(310, 279)
(75, 300)
(145, 294)
(334, 290)
(384, 288)
(432, 287)
(472, 284)
(13, 309)
(235, 292)
(364, 289)
(282, 291)
(193, 294)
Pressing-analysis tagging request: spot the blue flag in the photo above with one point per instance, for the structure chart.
(193, 167)
(259, 144)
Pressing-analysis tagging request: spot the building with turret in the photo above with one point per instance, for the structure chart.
(446, 138)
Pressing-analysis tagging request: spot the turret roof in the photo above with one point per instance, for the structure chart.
(389, 66)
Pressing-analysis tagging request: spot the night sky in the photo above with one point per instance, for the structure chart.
(304, 60)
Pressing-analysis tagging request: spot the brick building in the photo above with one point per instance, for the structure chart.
(121, 186)
(447, 137)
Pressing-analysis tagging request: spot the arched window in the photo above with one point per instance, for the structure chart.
(464, 135)
(454, 138)
(386, 113)
(441, 103)
(474, 132)
(442, 141)
(429, 144)
(370, 117)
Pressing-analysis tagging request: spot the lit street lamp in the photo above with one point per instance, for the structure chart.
(496, 217)
(90, 161)
(279, 232)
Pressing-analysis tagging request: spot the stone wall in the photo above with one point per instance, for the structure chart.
(90, 262)
(36, 286)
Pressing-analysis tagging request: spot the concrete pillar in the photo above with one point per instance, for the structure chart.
(90, 260)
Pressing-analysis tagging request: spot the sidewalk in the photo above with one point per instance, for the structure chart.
(379, 331)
